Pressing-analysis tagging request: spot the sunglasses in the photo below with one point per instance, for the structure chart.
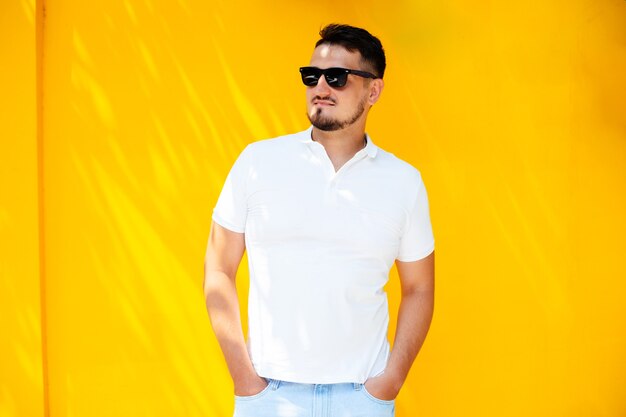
(335, 77)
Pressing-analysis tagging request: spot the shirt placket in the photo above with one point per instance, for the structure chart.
(331, 174)
(332, 177)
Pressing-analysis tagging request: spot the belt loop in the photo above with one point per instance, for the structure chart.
(274, 384)
(357, 386)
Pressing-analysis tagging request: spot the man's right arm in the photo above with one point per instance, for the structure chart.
(224, 252)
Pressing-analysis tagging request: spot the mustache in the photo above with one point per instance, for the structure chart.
(332, 100)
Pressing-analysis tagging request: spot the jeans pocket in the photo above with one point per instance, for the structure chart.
(257, 395)
(377, 400)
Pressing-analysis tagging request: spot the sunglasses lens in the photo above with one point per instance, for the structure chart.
(336, 77)
(310, 76)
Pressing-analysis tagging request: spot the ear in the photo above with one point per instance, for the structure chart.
(376, 88)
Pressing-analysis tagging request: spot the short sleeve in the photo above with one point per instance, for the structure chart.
(417, 240)
(231, 208)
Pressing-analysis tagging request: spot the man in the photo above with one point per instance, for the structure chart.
(323, 215)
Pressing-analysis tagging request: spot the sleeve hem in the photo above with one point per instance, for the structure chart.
(417, 257)
(226, 224)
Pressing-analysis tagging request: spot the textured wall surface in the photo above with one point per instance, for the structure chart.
(515, 114)
(21, 366)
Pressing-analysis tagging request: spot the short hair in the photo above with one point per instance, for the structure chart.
(353, 38)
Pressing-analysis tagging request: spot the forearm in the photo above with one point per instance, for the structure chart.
(414, 318)
(223, 307)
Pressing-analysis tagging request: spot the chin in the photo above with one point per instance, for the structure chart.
(326, 124)
(328, 128)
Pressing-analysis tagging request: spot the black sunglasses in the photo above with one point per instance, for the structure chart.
(335, 77)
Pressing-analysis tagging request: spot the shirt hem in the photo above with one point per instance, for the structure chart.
(267, 372)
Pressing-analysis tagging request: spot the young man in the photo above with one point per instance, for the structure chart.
(323, 215)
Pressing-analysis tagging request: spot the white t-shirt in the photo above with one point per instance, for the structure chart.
(320, 246)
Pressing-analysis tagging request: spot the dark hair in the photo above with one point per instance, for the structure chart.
(353, 38)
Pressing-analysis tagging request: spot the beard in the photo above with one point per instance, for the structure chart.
(329, 124)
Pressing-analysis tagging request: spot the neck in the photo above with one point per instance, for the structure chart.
(342, 143)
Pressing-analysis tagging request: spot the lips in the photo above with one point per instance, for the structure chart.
(323, 103)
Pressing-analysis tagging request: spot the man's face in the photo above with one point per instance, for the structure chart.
(331, 108)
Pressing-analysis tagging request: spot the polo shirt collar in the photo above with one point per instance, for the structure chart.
(371, 149)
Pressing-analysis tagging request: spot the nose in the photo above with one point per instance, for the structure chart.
(322, 88)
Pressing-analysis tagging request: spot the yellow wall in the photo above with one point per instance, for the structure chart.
(21, 376)
(515, 115)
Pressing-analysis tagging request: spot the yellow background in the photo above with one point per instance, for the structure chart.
(121, 119)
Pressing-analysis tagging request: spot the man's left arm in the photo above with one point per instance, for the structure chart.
(414, 317)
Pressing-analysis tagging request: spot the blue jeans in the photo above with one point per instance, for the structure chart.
(290, 399)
